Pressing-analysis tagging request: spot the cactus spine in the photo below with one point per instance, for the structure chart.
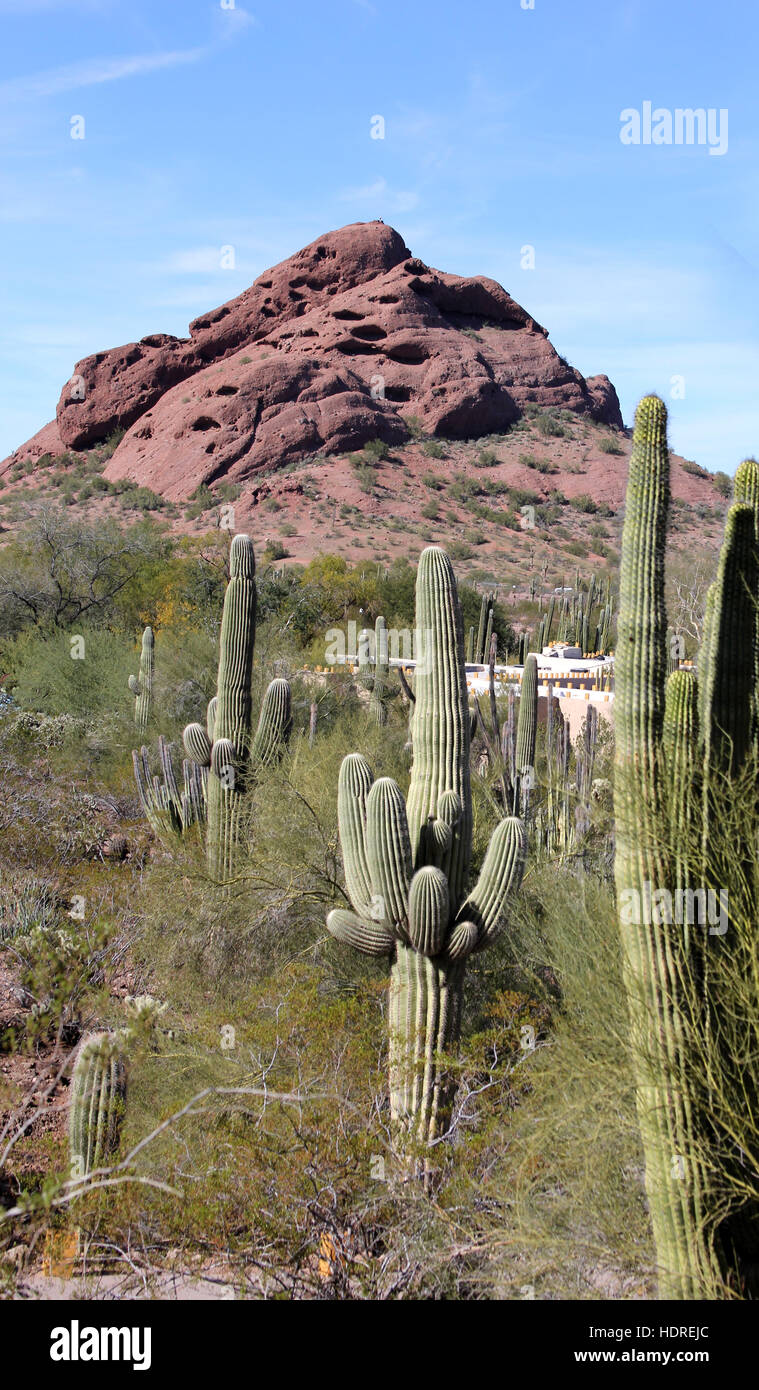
(407, 865)
(142, 686)
(97, 1101)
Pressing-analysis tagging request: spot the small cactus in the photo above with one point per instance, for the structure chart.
(142, 686)
(97, 1101)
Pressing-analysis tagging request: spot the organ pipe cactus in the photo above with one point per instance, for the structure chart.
(654, 952)
(97, 1101)
(142, 686)
(225, 747)
(407, 866)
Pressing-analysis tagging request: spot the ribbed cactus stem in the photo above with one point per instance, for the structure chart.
(440, 729)
(488, 633)
(142, 686)
(274, 724)
(728, 672)
(746, 484)
(680, 739)
(97, 1098)
(527, 728)
(479, 651)
(653, 952)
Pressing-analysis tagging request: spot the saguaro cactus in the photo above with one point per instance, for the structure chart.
(407, 865)
(654, 952)
(97, 1101)
(142, 686)
(225, 746)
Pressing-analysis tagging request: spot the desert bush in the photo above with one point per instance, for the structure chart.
(51, 676)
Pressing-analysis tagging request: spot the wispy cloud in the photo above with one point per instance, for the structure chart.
(379, 192)
(94, 72)
(27, 7)
(197, 260)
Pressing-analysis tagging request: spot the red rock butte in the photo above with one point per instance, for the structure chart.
(346, 341)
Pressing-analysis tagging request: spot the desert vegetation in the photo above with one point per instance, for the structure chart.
(319, 982)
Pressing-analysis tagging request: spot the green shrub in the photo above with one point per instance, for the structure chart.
(583, 503)
(376, 449)
(549, 425)
(50, 679)
(275, 550)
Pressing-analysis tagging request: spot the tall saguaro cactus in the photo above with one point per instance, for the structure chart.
(225, 746)
(407, 865)
(142, 686)
(654, 952)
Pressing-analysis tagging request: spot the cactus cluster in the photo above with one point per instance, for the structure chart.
(478, 649)
(170, 812)
(407, 865)
(585, 618)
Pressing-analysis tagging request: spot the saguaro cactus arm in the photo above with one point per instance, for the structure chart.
(274, 724)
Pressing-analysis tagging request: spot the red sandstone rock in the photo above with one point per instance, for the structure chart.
(339, 344)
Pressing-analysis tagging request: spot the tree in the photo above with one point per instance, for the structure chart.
(59, 569)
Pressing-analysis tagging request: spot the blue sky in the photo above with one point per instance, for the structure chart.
(209, 124)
